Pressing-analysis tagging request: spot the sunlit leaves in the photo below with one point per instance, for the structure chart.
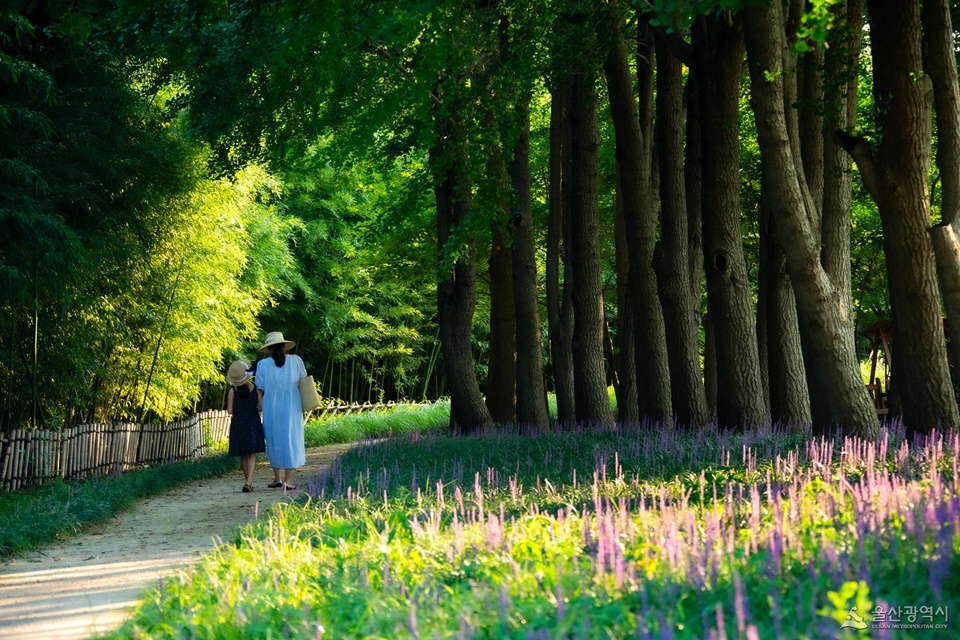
(367, 279)
(815, 24)
(129, 266)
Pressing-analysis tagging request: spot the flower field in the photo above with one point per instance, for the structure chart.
(647, 533)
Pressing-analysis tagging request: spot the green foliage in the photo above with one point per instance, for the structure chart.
(191, 298)
(368, 287)
(124, 268)
(678, 15)
(592, 535)
(398, 421)
(35, 517)
(815, 24)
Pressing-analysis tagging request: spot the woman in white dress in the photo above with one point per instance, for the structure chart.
(277, 378)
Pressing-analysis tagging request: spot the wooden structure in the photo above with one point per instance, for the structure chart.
(880, 335)
(32, 457)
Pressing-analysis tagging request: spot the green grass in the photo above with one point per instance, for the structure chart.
(33, 517)
(399, 420)
(587, 535)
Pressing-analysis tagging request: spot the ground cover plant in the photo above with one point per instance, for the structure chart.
(651, 534)
(397, 420)
(33, 517)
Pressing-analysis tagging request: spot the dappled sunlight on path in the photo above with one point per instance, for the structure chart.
(86, 584)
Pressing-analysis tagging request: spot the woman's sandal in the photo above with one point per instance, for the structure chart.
(275, 485)
(247, 488)
(288, 487)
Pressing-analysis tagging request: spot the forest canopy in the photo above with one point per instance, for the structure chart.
(718, 210)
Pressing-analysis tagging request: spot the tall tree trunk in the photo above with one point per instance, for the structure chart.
(810, 116)
(786, 375)
(679, 305)
(838, 395)
(639, 213)
(781, 355)
(710, 368)
(941, 64)
(946, 248)
(628, 410)
(501, 381)
(693, 187)
(896, 178)
(457, 290)
(718, 42)
(532, 412)
(840, 108)
(559, 297)
(590, 388)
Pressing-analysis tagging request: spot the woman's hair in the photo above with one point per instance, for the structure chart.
(278, 354)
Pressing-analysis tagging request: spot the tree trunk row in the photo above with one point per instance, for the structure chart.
(790, 358)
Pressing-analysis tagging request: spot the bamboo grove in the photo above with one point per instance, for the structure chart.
(700, 203)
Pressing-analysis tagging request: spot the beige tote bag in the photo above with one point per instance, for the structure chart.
(309, 398)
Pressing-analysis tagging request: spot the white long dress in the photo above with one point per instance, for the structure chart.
(282, 414)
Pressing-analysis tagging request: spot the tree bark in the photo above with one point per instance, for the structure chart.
(946, 248)
(532, 412)
(941, 64)
(501, 383)
(679, 305)
(693, 186)
(840, 107)
(810, 122)
(710, 368)
(559, 297)
(628, 409)
(896, 179)
(838, 395)
(789, 395)
(590, 388)
(718, 42)
(639, 213)
(457, 290)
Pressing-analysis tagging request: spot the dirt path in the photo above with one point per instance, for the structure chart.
(85, 585)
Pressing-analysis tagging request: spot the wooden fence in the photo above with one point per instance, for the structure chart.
(35, 457)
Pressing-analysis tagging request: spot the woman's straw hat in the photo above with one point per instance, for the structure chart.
(275, 337)
(239, 372)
